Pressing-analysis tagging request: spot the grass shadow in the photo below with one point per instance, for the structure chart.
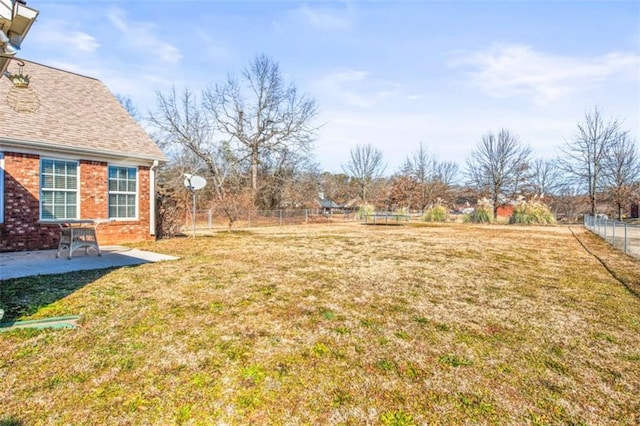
(11, 421)
(22, 297)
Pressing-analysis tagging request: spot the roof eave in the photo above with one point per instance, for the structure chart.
(53, 148)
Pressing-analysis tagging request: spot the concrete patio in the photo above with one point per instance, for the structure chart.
(44, 262)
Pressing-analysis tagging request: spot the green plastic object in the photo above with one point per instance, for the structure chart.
(56, 323)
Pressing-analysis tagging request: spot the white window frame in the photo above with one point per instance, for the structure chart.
(1, 187)
(136, 194)
(43, 190)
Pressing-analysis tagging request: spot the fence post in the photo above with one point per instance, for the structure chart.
(614, 234)
(249, 220)
(625, 239)
(280, 217)
(210, 218)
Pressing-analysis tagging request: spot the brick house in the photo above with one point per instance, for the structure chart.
(69, 150)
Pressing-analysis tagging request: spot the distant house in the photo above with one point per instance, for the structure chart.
(327, 206)
(69, 150)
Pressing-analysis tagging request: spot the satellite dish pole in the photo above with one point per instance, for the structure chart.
(194, 183)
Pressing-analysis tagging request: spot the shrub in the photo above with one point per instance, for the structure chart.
(483, 213)
(532, 212)
(364, 210)
(437, 213)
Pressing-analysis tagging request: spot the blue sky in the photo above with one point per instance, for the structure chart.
(390, 74)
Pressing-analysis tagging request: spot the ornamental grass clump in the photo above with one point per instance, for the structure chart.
(364, 211)
(483, 213)
(437, 213)
(532, 212)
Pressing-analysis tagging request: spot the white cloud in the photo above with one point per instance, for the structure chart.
(56, 37)
(324, 19)
(356, 88)
(83, 41)
(142, 36)
(514, 70)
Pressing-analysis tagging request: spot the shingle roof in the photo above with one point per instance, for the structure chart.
(327, 204)
(62, 110)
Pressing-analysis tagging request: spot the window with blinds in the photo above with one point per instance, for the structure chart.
(123, 192)
(58, 189)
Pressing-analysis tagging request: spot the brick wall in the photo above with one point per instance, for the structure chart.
(21, 229)
(118, 232)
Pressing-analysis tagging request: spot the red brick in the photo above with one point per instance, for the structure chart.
(22, 230)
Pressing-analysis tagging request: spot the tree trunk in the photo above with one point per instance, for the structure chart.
(254, 174)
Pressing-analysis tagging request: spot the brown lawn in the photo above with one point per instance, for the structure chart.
(342, 324)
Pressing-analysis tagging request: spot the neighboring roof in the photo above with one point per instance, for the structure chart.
(327, 204)
(61, 110)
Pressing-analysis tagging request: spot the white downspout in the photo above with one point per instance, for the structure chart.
(152, 198)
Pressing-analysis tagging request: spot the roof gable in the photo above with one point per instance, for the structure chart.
(62, 110)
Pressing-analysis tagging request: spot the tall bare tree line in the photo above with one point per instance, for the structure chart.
(252, 136)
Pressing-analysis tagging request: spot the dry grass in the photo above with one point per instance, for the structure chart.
(351, 324)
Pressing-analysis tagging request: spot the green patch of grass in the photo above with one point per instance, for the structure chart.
(369, 323)
(633, 357)
(216, 306)
(422, 320)
(328, 315)
(443, 327)
(386, 365)
(183, 414)
(476, 405)
(556, 365)
(320, 349)
(11, 421)
(253, 374)
(455, 360)
(397, 418)
(605, 337)
(402, 335)
(341, 397)
(200, 380)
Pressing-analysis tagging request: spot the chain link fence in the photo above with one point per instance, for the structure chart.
(207, 221)
(623, 236)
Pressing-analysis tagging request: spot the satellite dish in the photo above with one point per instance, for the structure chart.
(193, 182)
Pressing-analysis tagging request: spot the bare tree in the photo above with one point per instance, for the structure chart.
(128, 104)
(287, 180)
(498, 166)
(338, 187)
(183, 124)
(545, 177)
(445, 174)
(365, 166)
(419, 167)
(583, 159)
(424, 179)
(622, 171)
(261, 114)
